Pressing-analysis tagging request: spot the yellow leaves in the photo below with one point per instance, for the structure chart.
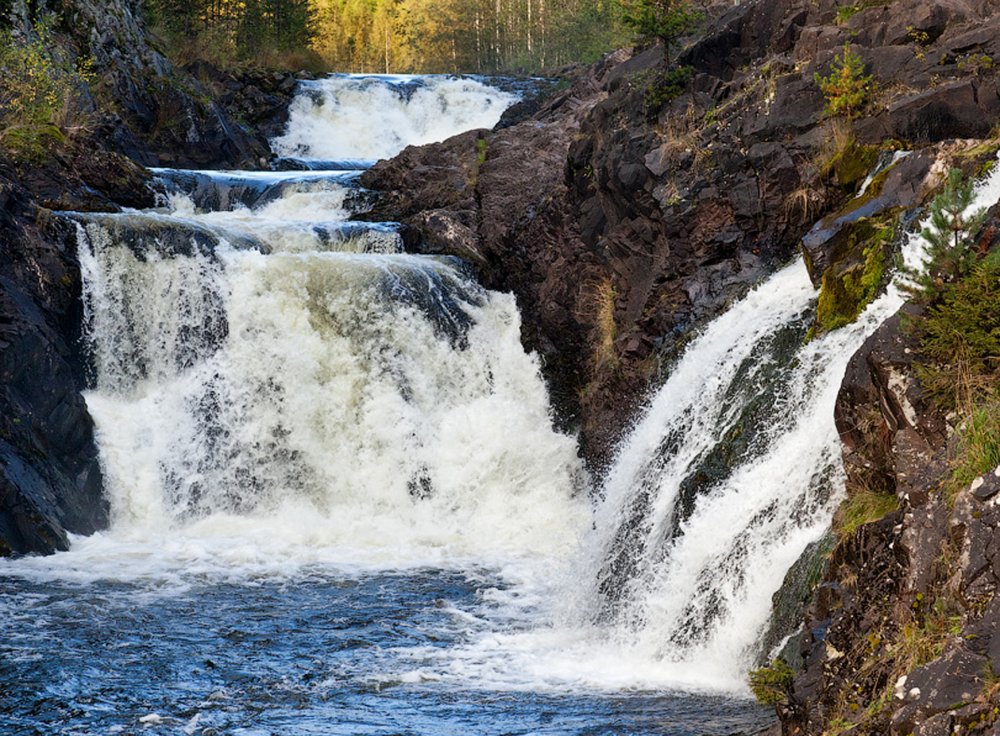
(38, 85)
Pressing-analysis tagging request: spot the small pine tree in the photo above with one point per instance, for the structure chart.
(948, 254)
(846, 87)
(663, 20)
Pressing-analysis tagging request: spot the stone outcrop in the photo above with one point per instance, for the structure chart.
(622, 217)
(50, 480)
(151, 111)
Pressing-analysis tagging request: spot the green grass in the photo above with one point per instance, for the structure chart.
(864, 507)
(977, 444)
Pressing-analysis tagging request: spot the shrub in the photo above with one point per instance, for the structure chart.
(960, 335)
(665, 86)
(948, 254)
(772, 684)
(846, 87)
(665, 20)
(40, 90)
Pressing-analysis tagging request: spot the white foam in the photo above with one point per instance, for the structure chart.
(309, 419)
(372, 117)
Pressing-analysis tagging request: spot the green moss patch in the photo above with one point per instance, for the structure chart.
(853, 281)
(851, 163)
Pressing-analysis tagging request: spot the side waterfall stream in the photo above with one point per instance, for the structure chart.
(340, 506)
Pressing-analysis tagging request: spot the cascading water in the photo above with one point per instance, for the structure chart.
(371, 117)
(339, 505)
(729, 475)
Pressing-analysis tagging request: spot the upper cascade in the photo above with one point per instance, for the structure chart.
(369, 117)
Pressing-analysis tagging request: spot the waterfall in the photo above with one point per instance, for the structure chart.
(732, 470)
(371, 117)
(278, 388)
(266, 364)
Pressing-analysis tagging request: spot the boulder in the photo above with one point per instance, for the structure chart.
(946, 684)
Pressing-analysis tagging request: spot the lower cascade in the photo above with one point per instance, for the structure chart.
(337, 493)
(337, 398)
(733, 470)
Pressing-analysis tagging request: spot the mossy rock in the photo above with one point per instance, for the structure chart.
(852, 163)
(858, 272)
(829, 240)
(31, 144)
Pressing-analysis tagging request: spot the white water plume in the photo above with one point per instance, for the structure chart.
(732, 471)
(386, 398)
(377, 116)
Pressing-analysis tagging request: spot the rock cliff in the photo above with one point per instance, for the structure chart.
(901, 635)
(50, 481)
(625, 211)
(145, 107)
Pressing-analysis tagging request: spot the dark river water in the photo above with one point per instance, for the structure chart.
(317, 654)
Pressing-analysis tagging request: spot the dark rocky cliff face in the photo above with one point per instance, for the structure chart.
(152, 111)
(50, 481)
(622, 219)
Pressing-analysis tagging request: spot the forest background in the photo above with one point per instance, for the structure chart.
(390, 36)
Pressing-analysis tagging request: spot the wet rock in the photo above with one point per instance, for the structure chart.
(900, 186)
(443, 231)
(50, 480)
(879, 398)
